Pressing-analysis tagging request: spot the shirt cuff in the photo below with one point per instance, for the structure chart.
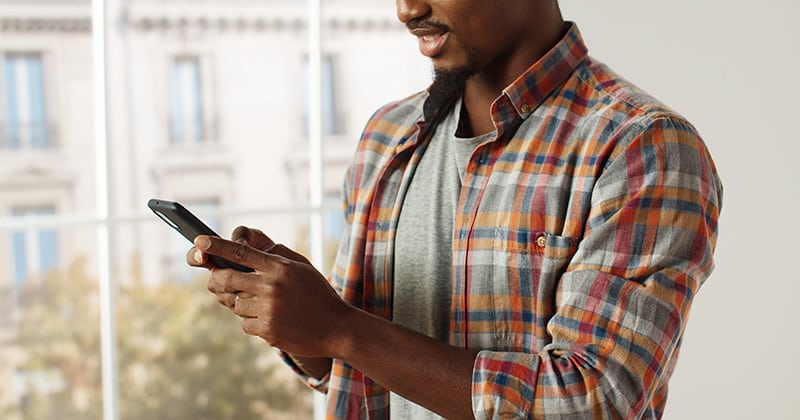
(318, 384)
(503, 384)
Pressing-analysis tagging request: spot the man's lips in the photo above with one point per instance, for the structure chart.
(430, 45)
(431, 35)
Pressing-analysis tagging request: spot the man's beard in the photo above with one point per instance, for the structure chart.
(450, 82)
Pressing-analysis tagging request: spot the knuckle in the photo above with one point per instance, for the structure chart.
(247, 327)
(282, 267)
(226, 281)
(242, 251)
(212, 285)
(258, 232)
(289, 253)
(241, 232)
(279, 249)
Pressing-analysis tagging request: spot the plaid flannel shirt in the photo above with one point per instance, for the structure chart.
(582, 232)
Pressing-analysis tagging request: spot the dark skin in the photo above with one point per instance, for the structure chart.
(292, 307)
(494, 57)
(289, 304)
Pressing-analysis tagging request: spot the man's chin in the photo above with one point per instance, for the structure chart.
(450, 81)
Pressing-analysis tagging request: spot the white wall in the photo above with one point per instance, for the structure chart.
(731, 67)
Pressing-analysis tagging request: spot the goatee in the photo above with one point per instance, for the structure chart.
(450, 83)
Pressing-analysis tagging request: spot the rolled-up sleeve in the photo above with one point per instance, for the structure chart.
(317, 384)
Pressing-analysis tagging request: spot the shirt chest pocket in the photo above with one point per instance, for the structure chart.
(512, 288)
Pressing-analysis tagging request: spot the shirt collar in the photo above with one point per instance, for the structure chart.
(535, 84)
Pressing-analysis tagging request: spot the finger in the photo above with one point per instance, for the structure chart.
(283, 251)
(197, 258)
(233, 251)
(227, 299)
(255, 326)
(215, 285)
(245, 307)
(217, 280)
(226, 281)
(253, 237)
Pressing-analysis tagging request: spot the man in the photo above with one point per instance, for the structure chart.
(524, 238)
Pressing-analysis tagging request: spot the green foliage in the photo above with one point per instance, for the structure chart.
(181, 355)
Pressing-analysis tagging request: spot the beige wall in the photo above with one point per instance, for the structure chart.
(731, 67)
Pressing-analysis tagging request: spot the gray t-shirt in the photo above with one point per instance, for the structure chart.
(424, 243)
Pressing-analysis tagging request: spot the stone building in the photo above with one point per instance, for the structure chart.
(207, 103)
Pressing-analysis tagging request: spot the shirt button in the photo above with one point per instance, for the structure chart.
(525, 108)
(541, 241)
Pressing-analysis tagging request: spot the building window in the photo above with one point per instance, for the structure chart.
(24, 115)
(332, 121)
(34, 251)
(187, 116)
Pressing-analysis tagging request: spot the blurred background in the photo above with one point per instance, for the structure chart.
(247, 111)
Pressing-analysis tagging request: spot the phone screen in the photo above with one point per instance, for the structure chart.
(188, 225)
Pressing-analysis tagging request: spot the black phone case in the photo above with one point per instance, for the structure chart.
(188, 225)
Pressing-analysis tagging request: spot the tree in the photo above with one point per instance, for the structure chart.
(181, 355)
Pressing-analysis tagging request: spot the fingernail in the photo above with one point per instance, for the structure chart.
(201, 242)
(198, 257)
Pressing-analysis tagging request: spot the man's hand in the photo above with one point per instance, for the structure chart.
(197, 258)
(291, 306)
(285, 301)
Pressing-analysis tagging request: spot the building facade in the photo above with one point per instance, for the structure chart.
(207, 104)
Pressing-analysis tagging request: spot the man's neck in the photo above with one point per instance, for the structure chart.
(484, 87)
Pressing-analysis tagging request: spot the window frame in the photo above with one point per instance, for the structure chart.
(105, 219)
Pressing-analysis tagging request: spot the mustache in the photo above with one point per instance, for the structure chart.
(427, 24)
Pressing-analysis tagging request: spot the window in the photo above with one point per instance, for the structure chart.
(187, 121)
(153, 99)
(332, 121)
(33, 251)
(24, 116)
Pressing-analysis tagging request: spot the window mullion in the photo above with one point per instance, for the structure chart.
(315, 149)
(108, 333)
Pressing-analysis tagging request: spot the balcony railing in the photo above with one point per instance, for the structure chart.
(28, 136)
(190, 130)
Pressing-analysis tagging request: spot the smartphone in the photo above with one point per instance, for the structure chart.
(188, 225)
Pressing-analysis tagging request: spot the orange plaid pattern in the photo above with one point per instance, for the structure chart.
(583, 231)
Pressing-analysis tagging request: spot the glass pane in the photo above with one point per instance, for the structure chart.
(186, 101)
(183, 355)
(208, 103)
(49, 309)
(49, 325)
(375, 61)
(208, 111)
(25, 113)
(46, 123)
